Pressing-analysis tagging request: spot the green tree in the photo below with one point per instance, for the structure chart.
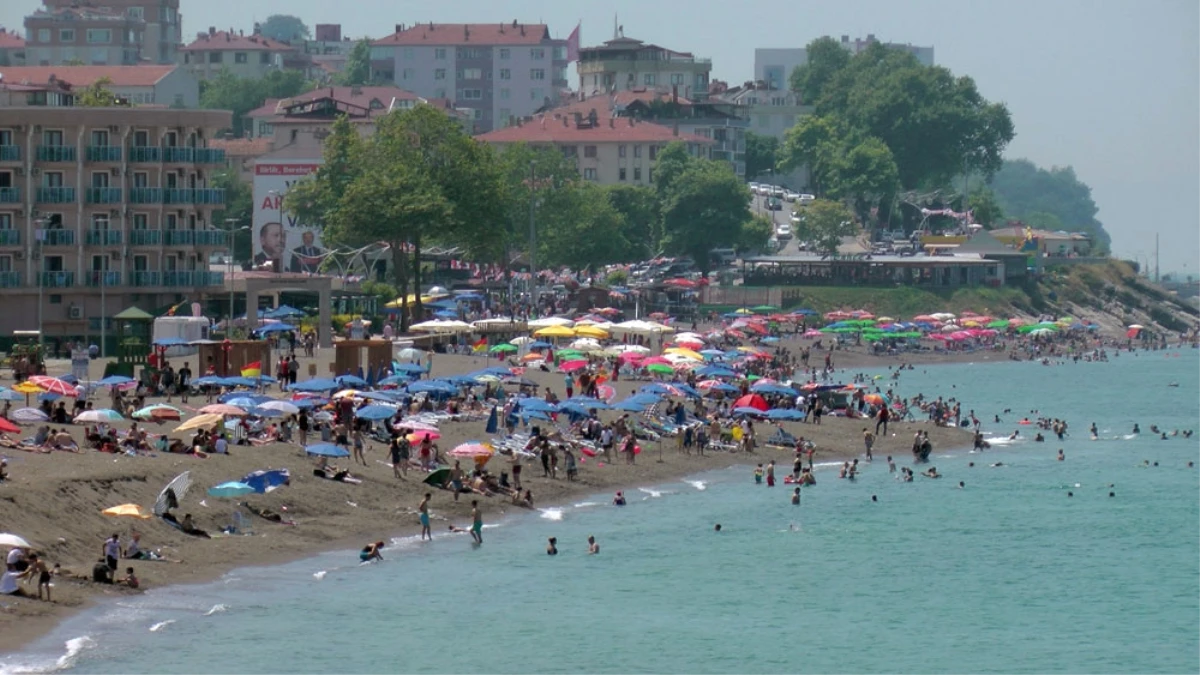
(986, 208)
(1041, 220)
(703, 207)
(755, 234)
(580, 228)
(240, 95)
(814, 142)
(236, 212)
(826, 223)
(640, 210)
(761, 154)
(358, 65)
(672, 161)
(285, 28)
(825, 59)
(1022, 188)
(865, 175)
(98, 95)
(529, 176)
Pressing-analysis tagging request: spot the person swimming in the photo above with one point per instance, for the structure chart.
(593, 547)
(961, 485)
(1137, 429)
(717, 527)
(1094, 431)
(1061, 456)
(932, 472)
(619, 499)
(552, 546)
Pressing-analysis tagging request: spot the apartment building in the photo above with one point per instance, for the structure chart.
(496, 71)
(775, 66)
(609, 151)
(249, 56)
(142, 31)
(12, 48)
(140, 85)
(622, 64)
(103, 208)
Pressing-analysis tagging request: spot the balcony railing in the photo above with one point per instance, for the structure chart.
(145, 237)
(195, 238)
(58, 279)
(108, 278)
(103, 195)
(193, 278)
(56, 153)
(10, 195)
(145, 195)
(104, 153)
(148, 153)
(179, 155)
(210, 196)
(10, 279)
(56, 195)
(10, 237)
(58, 237)
(210, 156)
(10, 153)
(103, 238)
(144, 278)
(179, 196)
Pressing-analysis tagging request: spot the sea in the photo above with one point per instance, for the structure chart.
(1086, 565)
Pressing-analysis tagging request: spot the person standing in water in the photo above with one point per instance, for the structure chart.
(796, 497)
(423, 513)
(771, 473)
(593, 547)
(476, 522)
(552, 546)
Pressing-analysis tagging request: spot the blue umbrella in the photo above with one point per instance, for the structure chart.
(747, 410)
(379, 396)
(170, 342)
(493, 423)
(537, 404)
(784, 414)
(231, 489)
(724, 387)
(264, 481)
(10, 395)
(714, 371)
(496, 370)
(306, 403)
(350, 381)
(243, 399)
(770, 340)
(115, 380)
(446, 314)
(588, 402)
(316, 384)
(534, 414)
(394, 379)
(284, 312)
(631, 405)
(644, 398)
(772, 389)
(409, 368)
(463, 380)
(275, 328)
(538, 344)
(687, 389)
(655, 389)
(574, 409)
(432, 387)
(207, 380)
(804, 312)
(239, 382)
(327, 450)
(47, 396)
(469, 296)
(375, 412)
(266, 412)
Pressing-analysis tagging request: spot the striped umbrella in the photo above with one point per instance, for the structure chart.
(173, 493)
(28, 416)
(99, 415)
(53, 385)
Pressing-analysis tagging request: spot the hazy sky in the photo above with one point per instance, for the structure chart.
(1111, 88)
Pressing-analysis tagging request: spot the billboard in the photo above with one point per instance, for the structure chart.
(280, 237)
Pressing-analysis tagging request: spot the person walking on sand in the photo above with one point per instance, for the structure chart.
(476, 522)
(455, 479)
(882, 419)
(423, 514)
(359, 442)
(630, 448)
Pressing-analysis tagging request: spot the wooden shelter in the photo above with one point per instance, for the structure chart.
(229, 357)
(355, 356)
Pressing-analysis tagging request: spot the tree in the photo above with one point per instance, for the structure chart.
(1040, 220)
(826, 223)
(639, 209)
(761, 154)
(227, 91)
(672, 161)
(236, 212)
(285, 28)
(97, 95)
(825, 59)
(865, 175)
(755, 233)
(358, 65)
(703, 207)
(580, 229)
(985, 208)
(815, 143)
(1022, 188)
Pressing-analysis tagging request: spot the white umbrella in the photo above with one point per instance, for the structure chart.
(173, 493)
(281, 406)
(548, 322)
(440, 326)
(586, 345)
(28, 416)
(13, 541)
(621, 349)
(1137, 326)
(410, 354)
(494, 322)
(943, 316)
(689, 337)
(520, 341)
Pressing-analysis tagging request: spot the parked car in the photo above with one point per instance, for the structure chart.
(805, 199)
(790, 197)
(773, 204)
(783, 232)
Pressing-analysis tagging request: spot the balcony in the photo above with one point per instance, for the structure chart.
(10, 195)
(193, 278)
(58, 279)
(210, 156)
(106, 278)
(103, 195)
(210, 196)
(103, 238)
(179, 196)
(195, 237)
(55, 195)
(104, 153)
(145, 195)
(10, 237)
(142, 154)
(179, 155)
(10, 153)
(10, 279)
(143, 278)
(145, 237)
(58, 237)
(56, 153)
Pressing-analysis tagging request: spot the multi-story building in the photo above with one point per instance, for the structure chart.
(278, 118)
(140, 85)
(250, 56)
(624, 63)
(143, 31)
(775, 66)
(12, 48)
(772, 113)
(497, 71)
(328, 50)
(103, 208)
(607, 150)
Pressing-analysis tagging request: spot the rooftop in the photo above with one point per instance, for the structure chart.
(462, 34)
(83, 13)
(624, 45)
(10, 39)
(242, 147)
(229, 40)
(366, 98)
(565, 129)
(85, 76)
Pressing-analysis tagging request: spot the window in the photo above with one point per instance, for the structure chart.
(99, 179)
(5, 221)
(778, 100)
(637, 173)
(537, 73)
(52, 137)
(637, 151)
(99, 56)
(589, 151)
(440, 92)
(505, 115)
(408, 74)
(505, 94)
(676, 78)
(214, 57)
(264, 58)
(439, 74)
(99, 36)
(43, 35)
(100, 222)
(141, 221)
(52, 179)
(505, 74)
(477, 113)
(535, 94)
(240, 57)
(648, 79)
(537, 53)
(560, 72)
(471, 94)
(135, 13)
(570, 151)
(621, 151)
(66, 35)
(407, 53)
(6, 263)
(470, 53)
(440, 53)
(470, 74)
(621, 173)
(505, 53)
(589, 174)
(560, 53)
(653, 152)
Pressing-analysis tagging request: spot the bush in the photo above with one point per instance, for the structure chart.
(617, 278)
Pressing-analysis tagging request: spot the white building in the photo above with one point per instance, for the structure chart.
(775, 66)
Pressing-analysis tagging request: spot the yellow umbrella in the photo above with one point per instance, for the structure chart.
(554, 332)
(201, 422)
(132, 510)
(684, 352)
(533, 357)
(886, 319)
(27, 388)
(591, 331)
(412, 300)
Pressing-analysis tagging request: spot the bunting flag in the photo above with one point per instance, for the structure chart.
(480, 346)
(252, 369)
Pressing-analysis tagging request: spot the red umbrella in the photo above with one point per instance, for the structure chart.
(53, 385)
(680, 283)
(8, 427)
(605, 392)
(572, 366)
(751, 401)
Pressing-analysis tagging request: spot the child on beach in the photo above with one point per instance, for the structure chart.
(758, 474)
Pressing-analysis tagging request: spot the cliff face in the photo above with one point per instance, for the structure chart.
(1115, 297)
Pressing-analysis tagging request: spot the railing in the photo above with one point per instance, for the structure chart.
(210, 156)
(210, 196)
(193, 278)
(145, 195)
(103, 195)
(103, 237)
(145, 237)
(144, 278)
(58, 237)
(55, 195)
(96, 278)
(58, 279)
(10, 153)
(148, 153)
(179, 196)
(10, 195)
(210, 237)
(56, 153)
(179, 155)
(10, 279)
(104, 153)
(10, 237)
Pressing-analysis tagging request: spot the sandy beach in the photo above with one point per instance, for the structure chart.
(55, 500)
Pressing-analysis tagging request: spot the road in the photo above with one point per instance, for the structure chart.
(791, 247)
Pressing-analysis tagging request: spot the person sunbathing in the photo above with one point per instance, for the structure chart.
(189, 527)
(64, 441)
(525, 500)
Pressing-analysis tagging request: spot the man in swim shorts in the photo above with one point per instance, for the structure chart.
(476, 522)
(423, 513)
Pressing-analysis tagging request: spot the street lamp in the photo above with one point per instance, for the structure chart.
(231, 230)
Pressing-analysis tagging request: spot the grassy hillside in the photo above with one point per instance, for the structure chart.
(907, 301)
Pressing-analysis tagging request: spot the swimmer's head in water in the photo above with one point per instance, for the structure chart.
(717, 527)
(874, 498)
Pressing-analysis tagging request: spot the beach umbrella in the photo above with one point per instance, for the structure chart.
(503, 348)
(13, 541)
(309, 403)
(772, 388)
(605, 392)
(473, 450)
(115, 380)
(350, 381)
(28, 416)
(410, 354)
(53, 385)
(27, 387)
(223, 409)
(432, 387)
(98, 415)
(555, 332)
(8, 427)
(747, 410)
(284, 312)
(549, 322)
(519, 341)
(266, 480)
(751, 401)
(438, 477)
(659, 369)
(315, 384)
(173, 493)
(591, 331)
(784, 414)
(232, 488)
(282, 406)
(10, 395)
(375, 412)
(327, 450)
(421, 434)
(632, 405)
(130, 510)
(206, 421)
(158, 412)
(572, 366)
(586, 344)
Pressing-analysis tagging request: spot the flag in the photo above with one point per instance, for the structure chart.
(480, 346)
(252, 369)
(573, 44)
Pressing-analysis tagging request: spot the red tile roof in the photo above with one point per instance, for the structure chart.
(84, 76)
(608, 130)
(242, 147)
(10, 39)
(363, 98)
(464, 34)
(605, 104)
(224, 40)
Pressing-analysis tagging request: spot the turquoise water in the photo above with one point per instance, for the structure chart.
(1006, 575)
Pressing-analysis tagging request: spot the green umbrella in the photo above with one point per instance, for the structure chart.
(660, 368)
(764, 308)
(503, 348)
(438, 477)
(998, 323)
